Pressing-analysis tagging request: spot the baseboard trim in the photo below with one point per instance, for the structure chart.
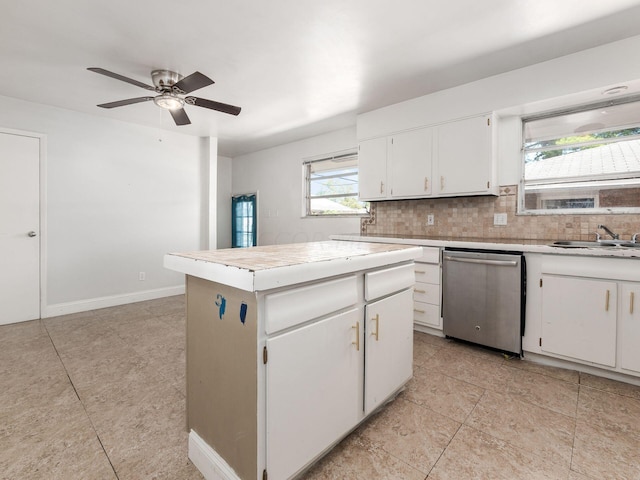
(110, 301)
(211, 465)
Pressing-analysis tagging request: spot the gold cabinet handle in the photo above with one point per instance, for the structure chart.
(377, 320)
(357, 342)
(426, 184)
(441, 183)
(418, 311)
(631, 302)
(381, 186)
(421, 271)
(606, 303)
(419, 291)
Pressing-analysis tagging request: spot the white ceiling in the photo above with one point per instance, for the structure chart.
(298, 68)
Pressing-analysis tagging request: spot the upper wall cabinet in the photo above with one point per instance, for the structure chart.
(466, 161)
(457, 155)
(397, 166)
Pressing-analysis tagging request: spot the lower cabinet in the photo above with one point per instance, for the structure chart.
(388, 347)
(314, 390)
(426, 293)
(579, 318)
(629, 326)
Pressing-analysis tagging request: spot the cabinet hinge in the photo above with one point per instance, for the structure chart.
(540, 341)
(264, 358)
(264, 474)
(488, 122)
(540, 283)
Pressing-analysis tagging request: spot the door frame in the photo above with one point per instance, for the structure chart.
(43, 210)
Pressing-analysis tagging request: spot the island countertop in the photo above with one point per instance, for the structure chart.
(262, 268)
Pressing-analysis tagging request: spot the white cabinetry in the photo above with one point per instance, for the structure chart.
(465, 159)
(426, 294)
(314, 390)
(389, 347)
(458, 154)
(372, 169)
(585, 309)
(629, 314)
(579, 318)
(396, 166)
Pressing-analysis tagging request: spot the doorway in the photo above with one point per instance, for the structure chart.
(20, 228)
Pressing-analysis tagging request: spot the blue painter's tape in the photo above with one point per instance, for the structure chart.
(221, 303)
(243, 312)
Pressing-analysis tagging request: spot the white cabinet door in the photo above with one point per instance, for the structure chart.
(313, 390)
(389, 347)
(410, 163)
(372, 169)
(630, 326)
(464, 157)
(579, 318)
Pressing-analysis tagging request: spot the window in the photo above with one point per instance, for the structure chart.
(583, 160)
(244, 221)
(332, 187)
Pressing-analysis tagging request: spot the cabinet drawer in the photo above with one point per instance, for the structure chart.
(427, 293)
(426, 314)
(298, 305)
(428, 273)
(390, 280)
(429, 255)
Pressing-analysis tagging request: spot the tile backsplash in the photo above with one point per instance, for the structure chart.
(461, 217)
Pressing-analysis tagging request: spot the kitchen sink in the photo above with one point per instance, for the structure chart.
(596, 244)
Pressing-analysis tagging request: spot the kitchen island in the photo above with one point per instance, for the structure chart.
(289, 348)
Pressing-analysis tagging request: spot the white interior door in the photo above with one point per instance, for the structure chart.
(19, 228)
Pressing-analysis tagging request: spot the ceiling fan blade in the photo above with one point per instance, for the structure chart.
(122, 78)
(180, 116)
(122, 103)
(221, 107)
(192, 82)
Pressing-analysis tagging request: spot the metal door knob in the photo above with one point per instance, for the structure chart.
(32, 233)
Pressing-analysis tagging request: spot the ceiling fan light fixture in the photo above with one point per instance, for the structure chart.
(169, 101)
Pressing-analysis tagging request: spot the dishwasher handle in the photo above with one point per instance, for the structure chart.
(497, 263)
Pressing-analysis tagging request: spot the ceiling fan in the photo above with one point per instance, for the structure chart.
(171, 88)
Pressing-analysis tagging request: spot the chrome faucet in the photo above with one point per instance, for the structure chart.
(615, 236)
(634, 239)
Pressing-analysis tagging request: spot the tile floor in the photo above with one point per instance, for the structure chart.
(100, 395)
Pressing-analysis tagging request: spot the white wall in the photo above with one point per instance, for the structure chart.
(276, 174)
(224, 202)
(119, 196)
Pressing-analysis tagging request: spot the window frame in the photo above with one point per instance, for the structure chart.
(579, 183)
(307, 196)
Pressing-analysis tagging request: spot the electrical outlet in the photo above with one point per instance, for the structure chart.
(499, 218)
(142, 276)
(430, 219)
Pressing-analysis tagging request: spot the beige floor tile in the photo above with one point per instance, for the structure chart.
(423, 350)
(452, 398)
(476, 455)
(579, 476)
(571, 376)
(469, 349)
(411, 433)
(525, 425)
(609, 410)
(611, 386)
(606, 452)
(356, 459)
(544, 391)
(478, 370)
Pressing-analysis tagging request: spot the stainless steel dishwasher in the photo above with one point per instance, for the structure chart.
(484, 297)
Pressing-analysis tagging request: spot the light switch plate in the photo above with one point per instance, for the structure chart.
(499, 218)
(430, 219)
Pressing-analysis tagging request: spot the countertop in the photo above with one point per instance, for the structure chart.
(262, 268)
(506, 244)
